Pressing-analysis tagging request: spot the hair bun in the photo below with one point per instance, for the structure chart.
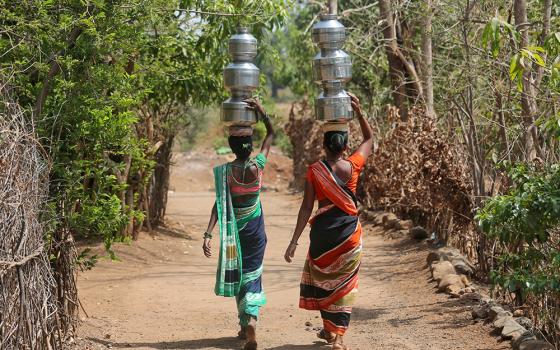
(336, 141)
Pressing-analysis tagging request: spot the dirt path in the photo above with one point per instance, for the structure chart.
(160, 296)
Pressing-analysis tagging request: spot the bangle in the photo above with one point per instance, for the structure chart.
(294, 243)
(207, 235)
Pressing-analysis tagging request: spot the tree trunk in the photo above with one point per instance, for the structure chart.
(547, 12)
(333, 7)
(427, 68)
(528, 102)
(396, 67)
(160, 181)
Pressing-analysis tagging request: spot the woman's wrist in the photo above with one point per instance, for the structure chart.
(207, 235)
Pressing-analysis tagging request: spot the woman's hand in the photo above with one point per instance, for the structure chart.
(255, 105)
(355, 101)
(206, 247)
(290, 252)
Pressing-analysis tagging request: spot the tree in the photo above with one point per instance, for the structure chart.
(108, 84)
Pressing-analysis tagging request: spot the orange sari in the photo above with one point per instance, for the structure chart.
(329, 281)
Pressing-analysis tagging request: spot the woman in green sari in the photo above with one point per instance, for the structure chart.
(239, 215)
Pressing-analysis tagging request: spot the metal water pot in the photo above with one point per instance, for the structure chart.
(332, 65)
(328, 33)
(242, 46)
(241, 76)
(333, 107)
(235, 112)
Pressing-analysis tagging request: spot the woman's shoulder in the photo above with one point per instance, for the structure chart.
(357, 159)
(260, 160)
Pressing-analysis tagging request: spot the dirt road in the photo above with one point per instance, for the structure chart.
(160, 295)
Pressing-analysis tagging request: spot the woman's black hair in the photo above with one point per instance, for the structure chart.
(242, 146)
(336, 141)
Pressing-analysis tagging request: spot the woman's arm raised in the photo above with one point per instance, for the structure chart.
(365, 147)
(269, 138)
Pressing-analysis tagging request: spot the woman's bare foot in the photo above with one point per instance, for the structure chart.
(338, 344)
(327, 336)
(251, 332)
(250, 345)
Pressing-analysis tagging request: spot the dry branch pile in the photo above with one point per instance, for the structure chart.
(417, 172)
(306, 140)
(28, 301)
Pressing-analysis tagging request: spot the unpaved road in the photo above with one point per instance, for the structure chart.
(160, 295)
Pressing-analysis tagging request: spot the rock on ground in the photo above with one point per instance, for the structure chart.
(419, 233)
(442, 269)
(460, 281)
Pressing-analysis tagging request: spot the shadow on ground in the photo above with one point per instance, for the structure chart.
(227, 343)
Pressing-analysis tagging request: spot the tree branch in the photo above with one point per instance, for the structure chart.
(53, 71)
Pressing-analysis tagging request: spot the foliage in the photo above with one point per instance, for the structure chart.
(128, 75)
(526, 222)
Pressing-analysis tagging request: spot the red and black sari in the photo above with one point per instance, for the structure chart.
(330, 276)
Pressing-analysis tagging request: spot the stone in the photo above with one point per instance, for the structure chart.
(454, 290)
(471, 297)
(511, 328)
(403, 233)
(515, 335)
(535, 345)
(460, 281)
(479, 312)
(521, 339)
(418, 233)
(525, 322)
(496, 312)
(378, 218)
(432, 258)
(389, 220)
(500, 321)
(442, 269)
(449, 253)
(471, 290)
(462, 266)
(405, 224)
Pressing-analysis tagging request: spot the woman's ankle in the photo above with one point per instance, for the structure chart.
(338, 339)
(251, 329)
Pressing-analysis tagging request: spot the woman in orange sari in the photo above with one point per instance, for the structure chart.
(330, 275)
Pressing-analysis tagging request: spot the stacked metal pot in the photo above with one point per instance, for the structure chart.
(332, 68)
(241, 78)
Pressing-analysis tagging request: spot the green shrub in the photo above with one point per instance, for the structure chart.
(525, 224)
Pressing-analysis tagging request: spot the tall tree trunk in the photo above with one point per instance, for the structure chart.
(427, 67)
(396, 68)
(547, 13)
(333, 7)
(528, 101)
(160, 181)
